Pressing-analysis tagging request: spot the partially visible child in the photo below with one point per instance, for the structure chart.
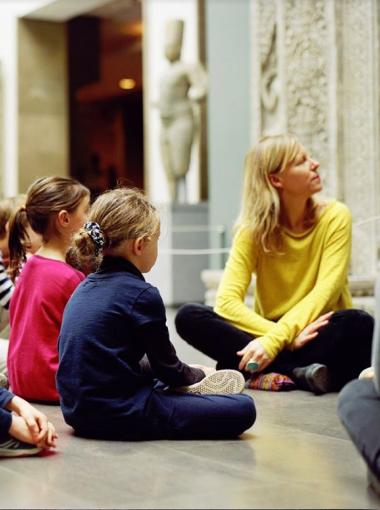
(116, 358)
(24, 430)
(32, 241)
(55, 208)
(7, 207)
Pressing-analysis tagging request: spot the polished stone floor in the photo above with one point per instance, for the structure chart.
(297, 455)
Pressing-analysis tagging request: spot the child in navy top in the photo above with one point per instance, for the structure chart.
(116, 361)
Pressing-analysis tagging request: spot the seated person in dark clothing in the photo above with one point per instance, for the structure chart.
(116, 360)
(359, 407)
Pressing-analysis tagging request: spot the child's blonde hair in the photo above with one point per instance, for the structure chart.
(45, 198)
(115, 216)
(260, 211)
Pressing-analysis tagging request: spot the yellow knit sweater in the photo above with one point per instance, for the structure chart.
(294, 288)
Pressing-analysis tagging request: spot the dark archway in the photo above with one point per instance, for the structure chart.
(106, 100)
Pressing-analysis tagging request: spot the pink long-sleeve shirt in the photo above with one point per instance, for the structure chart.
(42, 291)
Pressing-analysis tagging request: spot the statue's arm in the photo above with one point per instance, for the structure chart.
(198, 82)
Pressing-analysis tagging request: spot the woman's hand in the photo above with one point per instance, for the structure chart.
(311, 331)
(254, 351)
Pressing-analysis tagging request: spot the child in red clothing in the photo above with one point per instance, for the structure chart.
(32, 242)
(55, 207)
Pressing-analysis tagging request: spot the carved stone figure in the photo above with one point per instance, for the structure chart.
(181, 86)
(270, 88)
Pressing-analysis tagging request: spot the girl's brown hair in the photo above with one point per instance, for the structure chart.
(121, 214)
(45, 198)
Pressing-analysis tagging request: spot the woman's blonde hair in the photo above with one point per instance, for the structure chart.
(260, 211)
(121, 214)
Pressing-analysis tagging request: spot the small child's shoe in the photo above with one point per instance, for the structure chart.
(14, 448)
(221, 382)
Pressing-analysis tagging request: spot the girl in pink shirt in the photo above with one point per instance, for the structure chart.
(56, 207)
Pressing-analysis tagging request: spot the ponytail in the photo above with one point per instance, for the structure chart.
(17, 233)
(83, 253)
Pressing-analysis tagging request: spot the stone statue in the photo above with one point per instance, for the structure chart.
(181, 87)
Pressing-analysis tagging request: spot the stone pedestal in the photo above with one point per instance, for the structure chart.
(184, 234)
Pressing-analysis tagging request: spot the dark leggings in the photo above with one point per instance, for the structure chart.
(160, 414)
(343, 345)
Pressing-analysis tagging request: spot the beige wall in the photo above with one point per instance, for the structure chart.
(43, 101)
(1, 127)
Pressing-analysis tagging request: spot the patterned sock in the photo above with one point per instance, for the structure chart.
(270, 382)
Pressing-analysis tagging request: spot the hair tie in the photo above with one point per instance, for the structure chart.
(96, 234)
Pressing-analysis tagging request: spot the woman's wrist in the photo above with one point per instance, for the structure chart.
(267, 345)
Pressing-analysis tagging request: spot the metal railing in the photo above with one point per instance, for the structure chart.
(222, 230)
(218, 229)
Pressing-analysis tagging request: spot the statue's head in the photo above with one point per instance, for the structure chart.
(173, 39)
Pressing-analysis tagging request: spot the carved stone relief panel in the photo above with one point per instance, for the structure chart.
(315, 73)
(293, 85)
(270, 88)
(266, 89)
(309, 61)
(359, 109)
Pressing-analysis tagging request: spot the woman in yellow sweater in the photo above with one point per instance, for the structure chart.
(302, 324)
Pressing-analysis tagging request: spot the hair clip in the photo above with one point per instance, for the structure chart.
(95, 232)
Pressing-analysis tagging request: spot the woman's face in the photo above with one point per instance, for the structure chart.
(300, 177)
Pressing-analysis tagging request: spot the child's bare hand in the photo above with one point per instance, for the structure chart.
(36, 421)
(50, 440)
(20, 430)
